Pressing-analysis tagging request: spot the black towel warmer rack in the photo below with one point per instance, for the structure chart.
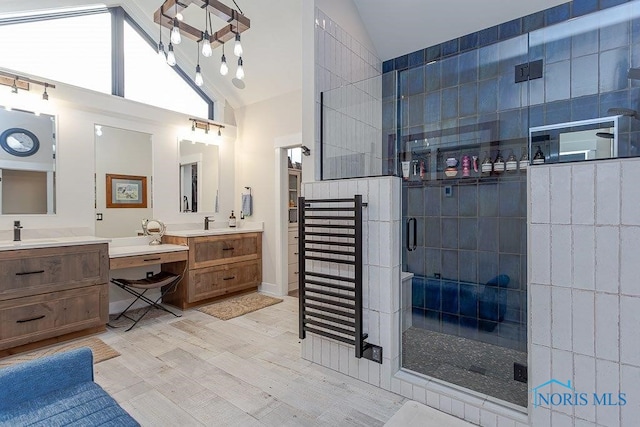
(330, 235)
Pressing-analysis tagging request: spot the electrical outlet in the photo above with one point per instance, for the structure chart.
(520, 373)
(376, 354)
(149, 274)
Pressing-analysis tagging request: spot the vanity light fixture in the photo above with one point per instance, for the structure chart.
(168, 16)
(16, 83)
(205, 125)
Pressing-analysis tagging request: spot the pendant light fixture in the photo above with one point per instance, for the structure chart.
(240, 70)
(224, 68)
(168, 16)
(171, 57)
(206, 38)
(237, 47)
(176, 38)
(198, 79)
(161, 53)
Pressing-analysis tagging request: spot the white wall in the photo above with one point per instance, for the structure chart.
(584, 298)
(260, 128)
(121, 152)
(77, 111)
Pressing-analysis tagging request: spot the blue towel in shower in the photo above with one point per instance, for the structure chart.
(247, 202)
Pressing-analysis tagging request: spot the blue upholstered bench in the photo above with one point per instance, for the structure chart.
(57, 390)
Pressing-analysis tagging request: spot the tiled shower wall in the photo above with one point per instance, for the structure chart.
(352, 120)
(584, 275)
(352, 145)
(381, 310)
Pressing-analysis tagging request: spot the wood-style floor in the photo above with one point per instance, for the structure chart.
(247, 371)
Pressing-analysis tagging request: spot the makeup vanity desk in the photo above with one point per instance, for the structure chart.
(144, 254)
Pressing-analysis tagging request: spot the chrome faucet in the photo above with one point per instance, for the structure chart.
(16, 231)
(207, 221)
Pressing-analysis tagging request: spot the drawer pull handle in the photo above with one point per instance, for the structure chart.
(30, 320)
(295, 237)
(295, 272)
(229, 278)
(295, 253)
(228, 249)
(25, 273)
(152, 259)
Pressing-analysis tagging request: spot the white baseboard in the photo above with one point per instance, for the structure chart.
(269, 288)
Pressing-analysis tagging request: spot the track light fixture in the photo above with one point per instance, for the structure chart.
(17, 83)
(168, 16)
(205, 125)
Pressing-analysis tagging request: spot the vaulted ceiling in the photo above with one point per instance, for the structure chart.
(273, 45)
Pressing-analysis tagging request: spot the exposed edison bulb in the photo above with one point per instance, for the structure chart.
(224, 68)
(180, 17)
(176, 38)
(237, 47)
(161, 53)
(198, 78)
(206, 45)
(171, 57)
(240, 70)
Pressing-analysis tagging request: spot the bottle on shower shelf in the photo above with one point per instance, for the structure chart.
(538, 158)
(498, 164)
(487, 165)
(524, 159)
(512, 162)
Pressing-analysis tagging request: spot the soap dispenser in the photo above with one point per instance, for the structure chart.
(232, 220)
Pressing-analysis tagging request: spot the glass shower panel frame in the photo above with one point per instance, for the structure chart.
(359, 129)
(468, 323)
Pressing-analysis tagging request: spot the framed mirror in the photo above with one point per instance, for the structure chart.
(575, 141)
(123, 181)
(199, 177)
(27, 163)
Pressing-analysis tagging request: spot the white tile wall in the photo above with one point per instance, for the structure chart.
(350, 77)
(593, 286)
(383, 314)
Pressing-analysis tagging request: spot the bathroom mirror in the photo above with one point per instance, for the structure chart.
(199, 176)
(27, 162)
(123, 163)
(576, 141)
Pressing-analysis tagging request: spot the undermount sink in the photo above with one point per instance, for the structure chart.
(25, 242)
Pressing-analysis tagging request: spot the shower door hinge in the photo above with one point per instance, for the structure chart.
(528, 71)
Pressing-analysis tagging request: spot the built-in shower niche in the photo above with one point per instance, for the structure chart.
(578, 141)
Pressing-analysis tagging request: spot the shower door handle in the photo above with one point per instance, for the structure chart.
(412, 247)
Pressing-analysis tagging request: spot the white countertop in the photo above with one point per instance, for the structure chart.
(9, 245)
(248, 227)
(139, 245)
(124, 251)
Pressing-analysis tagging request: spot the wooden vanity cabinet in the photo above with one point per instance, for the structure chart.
(49, 293)
(218, 265)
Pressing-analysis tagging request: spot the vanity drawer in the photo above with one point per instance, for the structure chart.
(29, 271)
(293, 273)
(34, 318)
(149, 259)
(293, 254)
(225, 279)
(209, 251)
(293, 237)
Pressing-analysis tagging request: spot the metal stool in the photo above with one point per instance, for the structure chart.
(167, 282)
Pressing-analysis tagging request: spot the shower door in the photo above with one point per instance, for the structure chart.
(464, 166)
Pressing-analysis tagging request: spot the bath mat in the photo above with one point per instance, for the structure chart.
(234, 307)
(100, 350)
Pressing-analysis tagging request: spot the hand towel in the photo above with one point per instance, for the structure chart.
(247, 204)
